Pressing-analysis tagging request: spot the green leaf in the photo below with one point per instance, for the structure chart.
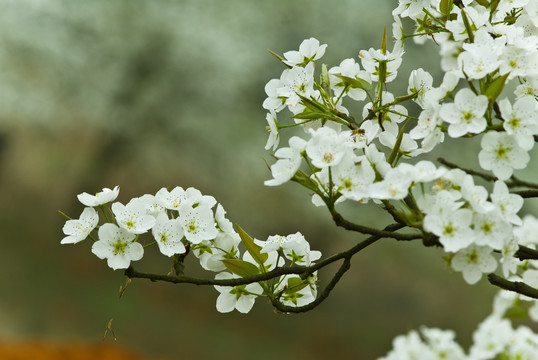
(301, 178)
(309, 115)
(240, 267)
(295, 284)
(252, 248)
(355, 83)
(484, 3)
(324, 77)
(495, 88)
(444, 6)
(312, 104)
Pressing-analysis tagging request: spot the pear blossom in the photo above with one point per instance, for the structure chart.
(79, 229)
(474, 261)
(351, 69)
(117, 245)
(289, 160)
(294, 247)
(421, 82)
(240, 298)
(452, 227)
(297, 81)
(198, 223)
(171, 199)
(465, 114)
(168, 235)
(272, 125)
(327, 147)
(133, 217)
(309, 50)
(507, 203)
(521, 120)
(372, 58)
(501, 154)
(105, 196)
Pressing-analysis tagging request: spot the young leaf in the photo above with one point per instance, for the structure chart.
(240, 267)
(355, 83)
(495, 88)
(295, 284)
(252, 248)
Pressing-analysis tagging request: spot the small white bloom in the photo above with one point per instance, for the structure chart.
(466, 114)
(171, 199)
(101, 198)
(309, 50)
(117, 246)
(289, 160)
(327, 147)
(168, 235)
(452, 227)
(521, 120)
(501, 154)
(133, 217)
(474, 261)
(240, 297)
(272, 125)
(197, 223)
(508, 204)
(77, 230)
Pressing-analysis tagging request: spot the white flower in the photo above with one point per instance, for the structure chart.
(309, 50)
(153, 206)
(421, 82)
(327, 147)
(526, 233)
(297, 81)
(491, 230)
(294, 247)
(490, 338)
(197, 223)
(117, 246)
(211, 253)
(101, 198)
(452, 227)
(473, 261)
(272, 125)
(240, 297)
(171, 199)
(133, 217)
(466, 114)
(508, 204)
(395, 184)
(372, 58)
(521, 120)
(289, 160)
(353, 177)
(168, 235)
(351, 69)
(77, 230)
(501, 154)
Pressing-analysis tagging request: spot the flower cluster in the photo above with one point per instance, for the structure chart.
(485, 47)
(183, 221)
(495, 338)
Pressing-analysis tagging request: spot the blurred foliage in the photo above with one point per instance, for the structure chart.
(145, 94)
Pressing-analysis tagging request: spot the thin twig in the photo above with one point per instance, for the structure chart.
(516, 286)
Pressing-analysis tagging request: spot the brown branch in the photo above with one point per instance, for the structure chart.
(340, 221)
(514, 181)
(515, 286)
(303, 272)
(525, 253)
(527, 193)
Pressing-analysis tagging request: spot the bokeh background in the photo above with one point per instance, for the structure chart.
(146, 94)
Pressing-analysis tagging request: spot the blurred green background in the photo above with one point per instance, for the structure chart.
(146, 94)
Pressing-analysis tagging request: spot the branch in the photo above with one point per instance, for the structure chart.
(516, 286)
(527, 193)
(525, 253)
(302, 271)
(340, 221)
(346, 265)
(514, 181)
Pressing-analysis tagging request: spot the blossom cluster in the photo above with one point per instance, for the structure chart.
(494, 338)
(483, 49)
(489, 56)
(183, 221)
